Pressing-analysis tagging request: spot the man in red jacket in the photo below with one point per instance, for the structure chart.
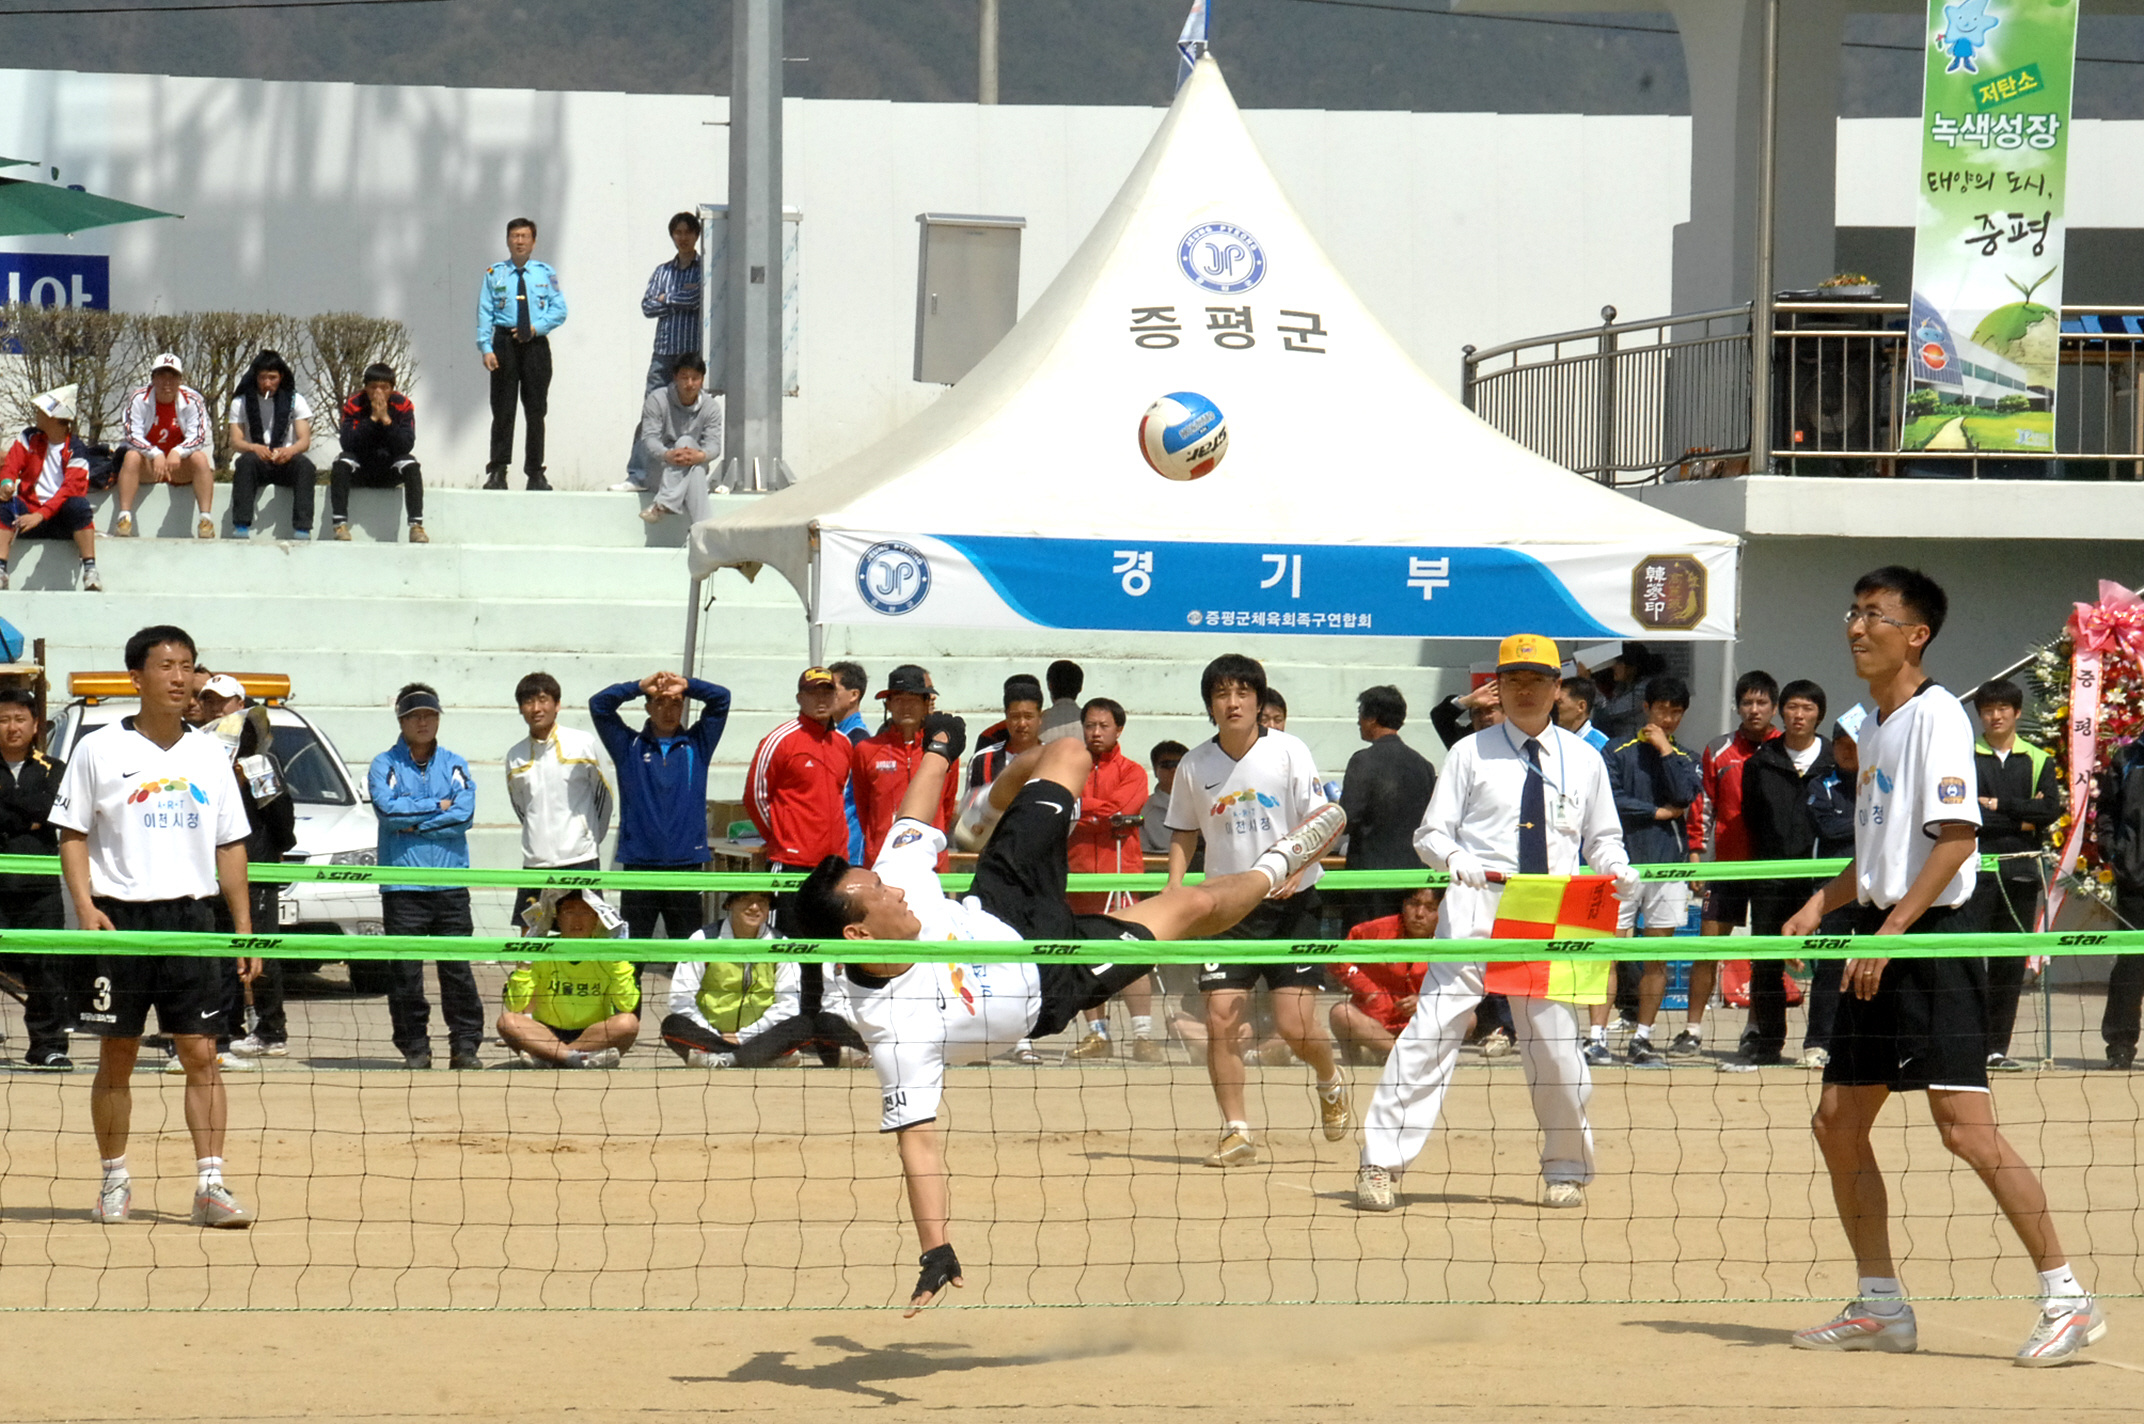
(886, 761)
(1105, 841)
(1718, 808)
(1381, 995)
(793, 790)
(44, 487)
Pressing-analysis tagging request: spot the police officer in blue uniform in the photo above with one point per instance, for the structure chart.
(519, 305)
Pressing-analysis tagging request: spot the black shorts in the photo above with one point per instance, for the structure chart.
(565, 1035)
(1927, 1025)
(1728, 902)
(186, 990)
(1293, 917)
(1020, 876)
(70, 519)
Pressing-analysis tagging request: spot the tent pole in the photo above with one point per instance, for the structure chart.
(692, 626)
(815, 630)
(1730, 714)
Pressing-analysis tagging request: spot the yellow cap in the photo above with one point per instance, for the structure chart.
(1529, 652)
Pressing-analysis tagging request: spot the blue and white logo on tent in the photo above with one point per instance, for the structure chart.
(1222, 257)
(893, 577)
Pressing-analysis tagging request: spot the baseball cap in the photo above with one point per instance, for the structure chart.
(57, 403)
(166, 362)
(1529, 652)
(224, 685)
(814, 677)
(908, 678)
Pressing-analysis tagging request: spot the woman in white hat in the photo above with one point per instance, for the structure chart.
(44, 486)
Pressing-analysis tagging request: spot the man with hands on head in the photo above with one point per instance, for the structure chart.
(1523, 797)
(662, 790)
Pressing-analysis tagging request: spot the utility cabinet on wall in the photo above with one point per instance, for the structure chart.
(967, 290)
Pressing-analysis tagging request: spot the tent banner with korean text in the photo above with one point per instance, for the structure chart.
(1135, 583)
(1987, 253)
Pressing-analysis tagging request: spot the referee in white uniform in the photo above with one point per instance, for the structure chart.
(1524, 797)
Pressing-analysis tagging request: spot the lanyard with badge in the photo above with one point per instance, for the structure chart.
(1563, 813)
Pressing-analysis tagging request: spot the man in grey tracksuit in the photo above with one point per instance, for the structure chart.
(681, 435)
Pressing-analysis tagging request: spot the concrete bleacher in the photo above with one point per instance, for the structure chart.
(575, 584)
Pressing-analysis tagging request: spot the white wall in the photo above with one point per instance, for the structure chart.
(1454, 228)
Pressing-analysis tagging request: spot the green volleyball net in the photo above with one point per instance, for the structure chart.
(1077, 1162)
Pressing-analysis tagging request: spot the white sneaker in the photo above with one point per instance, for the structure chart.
(92, 581)
(115, 1202)
(627, 486)
(1374, 1189)
(1563, 1195)
(254, 1046)
(1496, 1044)
(232, 1063)
(215, 1206)
(1856, 1328)
(699, 1059)
(2073, 1325)
(855, 1058)
(1816, 1059)
(604, 1058)
(1303, 845)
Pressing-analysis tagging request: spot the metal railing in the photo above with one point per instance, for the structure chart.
(1639, 402)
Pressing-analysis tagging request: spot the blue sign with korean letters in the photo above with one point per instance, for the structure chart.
(49, 279)
(1369, 590)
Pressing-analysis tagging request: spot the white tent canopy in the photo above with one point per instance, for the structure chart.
(1356, 497)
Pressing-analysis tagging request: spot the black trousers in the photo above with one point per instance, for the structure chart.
(677, 911)
(1772, 903)
(250, 473)
(828, 1033)
(270, 1024)
(49, 980)
(375, 474)
(2125, 986)
(2006, 907)
(523, 373)
(431, 912)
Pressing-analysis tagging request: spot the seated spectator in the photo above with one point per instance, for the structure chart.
(44, 486)
(167, 441)
(577, 1014)
(1381, 996)
(1272, 710)
(271, 429)
(681, 435)
(750, 1015)
(1153, 830)
(379, 429)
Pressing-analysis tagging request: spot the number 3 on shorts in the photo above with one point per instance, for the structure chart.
(103, 1002)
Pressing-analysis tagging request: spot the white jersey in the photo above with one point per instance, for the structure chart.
(1917, 773)
(934, 1014)
(560, 795)
(154, 816)
(1245, 806)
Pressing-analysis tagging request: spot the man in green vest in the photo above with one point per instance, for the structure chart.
(749, 1015)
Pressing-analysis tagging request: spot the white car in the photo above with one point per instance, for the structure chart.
(335, 824)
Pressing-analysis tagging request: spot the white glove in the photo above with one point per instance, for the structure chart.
(1628, 883)
(1467, 871)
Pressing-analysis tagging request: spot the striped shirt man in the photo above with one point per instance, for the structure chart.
(673, 302)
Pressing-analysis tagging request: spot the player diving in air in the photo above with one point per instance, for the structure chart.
(918, 1017)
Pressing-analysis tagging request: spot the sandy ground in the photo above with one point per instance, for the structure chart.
(657, 1194)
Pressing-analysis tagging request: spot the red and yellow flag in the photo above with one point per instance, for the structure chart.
(1558, 907)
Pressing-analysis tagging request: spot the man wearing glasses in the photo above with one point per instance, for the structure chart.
(1918, 1025)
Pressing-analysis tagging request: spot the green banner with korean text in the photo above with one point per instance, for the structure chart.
(1982, 335)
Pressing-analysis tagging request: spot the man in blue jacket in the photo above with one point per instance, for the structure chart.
(662, 791)
(1655, 781)
(424, 799)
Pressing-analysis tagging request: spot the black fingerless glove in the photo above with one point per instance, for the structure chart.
(940, 1265)
(946, 735)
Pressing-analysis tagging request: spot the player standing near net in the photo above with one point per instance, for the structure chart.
(151, 828)
(917, 1017)
(1243, 787)
(1522, 798)
(1918, 1025)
